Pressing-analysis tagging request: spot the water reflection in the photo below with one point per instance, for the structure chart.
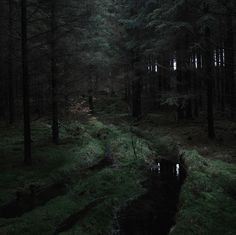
(166, 168)
(177, 169)
(154, 212)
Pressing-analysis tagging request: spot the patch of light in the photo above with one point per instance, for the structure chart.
(196, 62)
(156, 167)
(215, 58)
(223, 53)
(220, 62)
(174, 64)
(156, 68)
(159, 167)
(177, 169)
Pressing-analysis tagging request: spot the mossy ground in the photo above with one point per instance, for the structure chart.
(208, 197)
(207, 201)
(115, 184)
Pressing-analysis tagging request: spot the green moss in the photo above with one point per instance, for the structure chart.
(207, 201)
(208, 197)
(115, 187)
(76, 152)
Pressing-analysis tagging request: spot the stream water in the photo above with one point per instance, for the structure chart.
(154, 212)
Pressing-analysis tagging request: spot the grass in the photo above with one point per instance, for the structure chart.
(47, 159)
(207, 200)
(208, 197)
(116, 185)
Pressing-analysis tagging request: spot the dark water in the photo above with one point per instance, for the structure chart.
(154, 213)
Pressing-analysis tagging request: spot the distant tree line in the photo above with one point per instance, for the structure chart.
(182, 53)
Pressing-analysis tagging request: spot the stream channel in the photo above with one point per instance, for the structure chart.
(154, 212)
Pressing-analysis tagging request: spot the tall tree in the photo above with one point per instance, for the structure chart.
(25, 80)
(230, 62)
(10, 63)
(55, 127)
(208, 61)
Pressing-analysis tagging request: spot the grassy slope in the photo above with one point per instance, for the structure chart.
(208, 203)
(114, 185)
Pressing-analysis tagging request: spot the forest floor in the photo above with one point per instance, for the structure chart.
(193, 134)
(71, 186)
(99, 166)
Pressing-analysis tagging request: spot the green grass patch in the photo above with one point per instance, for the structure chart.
(115, 185)
(207, 199)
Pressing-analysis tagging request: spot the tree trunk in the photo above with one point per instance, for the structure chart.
(10, 66)
(209, 82)
(90, 98)
(25, 79)
(229, 63)
(222, 79)
(199, 77)
(55, 126)
(189, 102)
(195, 86)
(179, 85)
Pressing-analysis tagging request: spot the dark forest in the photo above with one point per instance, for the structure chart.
(118, 117)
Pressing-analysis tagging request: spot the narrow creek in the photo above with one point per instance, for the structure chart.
(154, 212)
